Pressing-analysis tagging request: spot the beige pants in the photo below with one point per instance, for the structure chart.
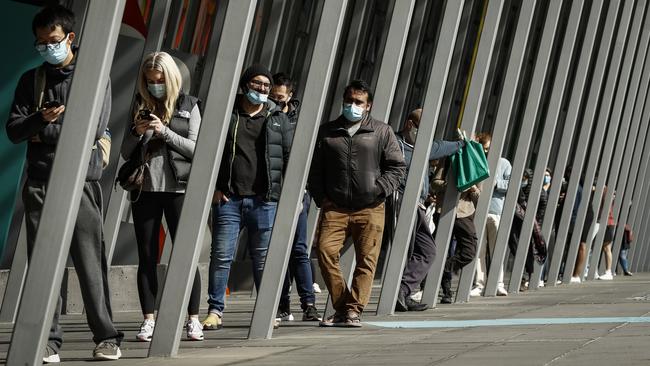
(491, 228)
(366, 227)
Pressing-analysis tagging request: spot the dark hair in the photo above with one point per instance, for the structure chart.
(281, 79)
(359, 85)
(51, 16)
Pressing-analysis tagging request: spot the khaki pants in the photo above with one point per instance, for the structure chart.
(366, 227)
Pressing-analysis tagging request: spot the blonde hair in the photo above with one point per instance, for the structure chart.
(163, 62)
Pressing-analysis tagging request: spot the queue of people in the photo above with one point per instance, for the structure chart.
(358, 163)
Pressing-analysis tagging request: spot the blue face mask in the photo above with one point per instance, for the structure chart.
(524, 183)
(157, 90)
(352, 112)
(55, 53)
(256, 97)
(547, 180)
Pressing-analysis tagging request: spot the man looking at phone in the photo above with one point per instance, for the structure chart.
(36, 117)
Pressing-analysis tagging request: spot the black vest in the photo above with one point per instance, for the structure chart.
(180, 123)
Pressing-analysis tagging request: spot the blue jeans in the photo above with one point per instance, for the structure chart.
(228, 218)
(299, 264)
(622, 257)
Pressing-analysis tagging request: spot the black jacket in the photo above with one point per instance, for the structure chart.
(359, 171)
(25, 122)
(278, 139)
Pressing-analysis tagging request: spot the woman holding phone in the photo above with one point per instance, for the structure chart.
(169, 120)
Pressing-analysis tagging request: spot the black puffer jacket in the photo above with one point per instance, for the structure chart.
(278, 139)
(359, 171)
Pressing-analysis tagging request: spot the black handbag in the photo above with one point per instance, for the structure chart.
(131, 174)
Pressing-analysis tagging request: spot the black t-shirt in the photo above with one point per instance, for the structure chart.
(249, 176)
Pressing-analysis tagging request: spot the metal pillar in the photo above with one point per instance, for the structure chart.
(468, 123)
(615, 102)
(420, 158)
(504, 113)
(634, 107)
(642, 260)
(352, 49)
(631, 191)
(409, 61)
(273, 33)
(200, 185)
(295, 178)
(47, 264)
(640, 196)
(548, 134)
(384, 93)
(16, 280)
(523, 143)
(575, 102)
(585, 131)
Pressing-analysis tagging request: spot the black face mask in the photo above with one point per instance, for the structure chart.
(282, 104)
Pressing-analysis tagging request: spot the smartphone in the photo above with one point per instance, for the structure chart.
(52, 104)
(144, 114)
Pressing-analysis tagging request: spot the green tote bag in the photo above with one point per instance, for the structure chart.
(470, 165)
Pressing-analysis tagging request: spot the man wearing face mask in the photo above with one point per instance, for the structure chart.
(357, 163)
(36, 117)
(424, 248)
(249, 183)
(299, 263)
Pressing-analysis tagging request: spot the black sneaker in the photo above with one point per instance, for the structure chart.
(284, 314)
(310, 314)
(107, 350)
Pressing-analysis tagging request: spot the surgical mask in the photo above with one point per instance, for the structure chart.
(56, 53)
(157, 90)
(524, 183)
(352, 112)
(547, 179)
(256, 97)
(412, 135)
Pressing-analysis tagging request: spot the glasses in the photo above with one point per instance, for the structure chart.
(40, 47)
(261, 84)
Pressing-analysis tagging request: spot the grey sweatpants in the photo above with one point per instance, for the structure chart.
(88, 257)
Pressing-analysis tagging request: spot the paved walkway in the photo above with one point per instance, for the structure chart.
(597, 323)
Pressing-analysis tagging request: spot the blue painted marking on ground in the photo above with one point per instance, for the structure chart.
(504, 322)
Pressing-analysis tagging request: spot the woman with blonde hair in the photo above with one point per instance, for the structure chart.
(169, 121)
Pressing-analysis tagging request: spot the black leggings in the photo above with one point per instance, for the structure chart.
(147, 216)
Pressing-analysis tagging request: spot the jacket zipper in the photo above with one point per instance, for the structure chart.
(349, 170)
(232, 159)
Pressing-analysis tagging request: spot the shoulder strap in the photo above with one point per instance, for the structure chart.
(39, 87)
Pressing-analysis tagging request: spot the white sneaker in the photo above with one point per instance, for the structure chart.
(417, 297)
(607, 276)
(541, 283)
(476, 291)
(575, 280)
(146, 330)
(316, 288)
(194, 329)
(501, 291)
(50, 355)
(596, 276)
